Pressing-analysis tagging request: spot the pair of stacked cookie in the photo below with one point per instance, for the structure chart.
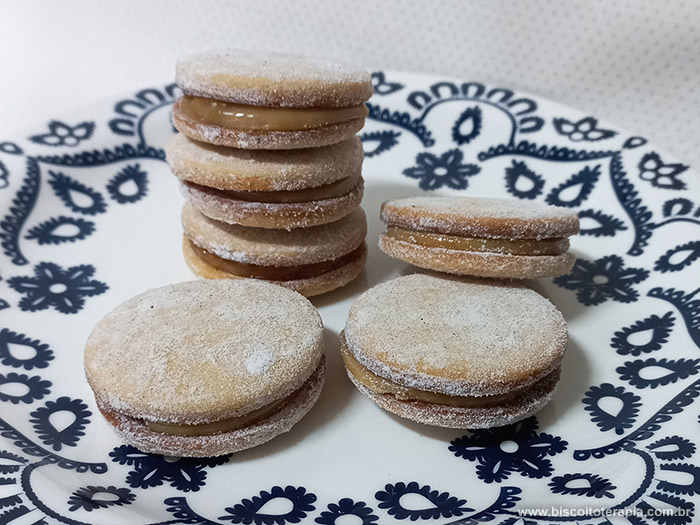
(455, 351)
(270, 167)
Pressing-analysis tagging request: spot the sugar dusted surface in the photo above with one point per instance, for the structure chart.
(275, 216)
(135, 432)
(456, 336)
(276, 79)
(179, 353)
(262, 170)
(481, 217)
(270, 247)
(480, 264)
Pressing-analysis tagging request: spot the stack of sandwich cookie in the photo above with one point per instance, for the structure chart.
(481, 237)
(453, 352)
(206, 368)
(268, 141)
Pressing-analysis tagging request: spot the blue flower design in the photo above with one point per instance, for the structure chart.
(585, 129)
(70, 434)
(468, 126)
(669, 261)
(660, 328)
(603, 279)
(10, 148)
(51, 285)
(45, 233)
(248, 510)
(660, 174)
(132, 175)
(382, 140)
(683, 448)
(445, 506)
(598, 487)
(584, 180)
(435, 172)
(40, 359)
(522, 182)
(68, 189)
(35, 388)
(677, 369)
(61, 134)
(624, 418)
(513, 448)
(382, 87)
(346, 507)
(87, 498)
(607, 225)
(152, 470)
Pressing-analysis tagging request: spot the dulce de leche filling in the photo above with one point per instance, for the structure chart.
(215, 427)
(470, 244)
(260, 118)
(319, 193)
(274, 273)
(381, 385)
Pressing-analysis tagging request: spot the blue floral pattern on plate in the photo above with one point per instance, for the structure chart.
(81, 203)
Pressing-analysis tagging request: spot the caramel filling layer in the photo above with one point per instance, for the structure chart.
(274, 273)
(216, 427)
(260, 118)
(504, 246)
(381, 385)
(319, 193)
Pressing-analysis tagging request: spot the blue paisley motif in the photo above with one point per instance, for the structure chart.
(65, 188)
(607, 225)
(598, 487)
(677, 369)
(584, 180)
(70, 434)
(45, 233)
(672, 447)
(470, 119)
(626, 415)
(659, 328)
(130, 174)
(382, 140)
(670, 262)
(248, 510)
(444, 505)
(533, 182)
(41, 353)
(36, 388)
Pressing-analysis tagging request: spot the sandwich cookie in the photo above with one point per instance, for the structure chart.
(310, 261)
(206, 368)
(454, 353)
(481, 237)
(255, 100)
(269, 189)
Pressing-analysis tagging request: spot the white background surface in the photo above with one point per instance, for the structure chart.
(633, 62)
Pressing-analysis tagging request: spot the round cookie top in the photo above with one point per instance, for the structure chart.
(202, 351)
(262, 170)
(481, 217)
(275, 247)
(273, 79)
(456, 336)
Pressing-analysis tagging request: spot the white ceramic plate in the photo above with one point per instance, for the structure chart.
(91, 218)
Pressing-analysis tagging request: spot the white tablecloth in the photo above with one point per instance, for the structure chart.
(633, 62)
